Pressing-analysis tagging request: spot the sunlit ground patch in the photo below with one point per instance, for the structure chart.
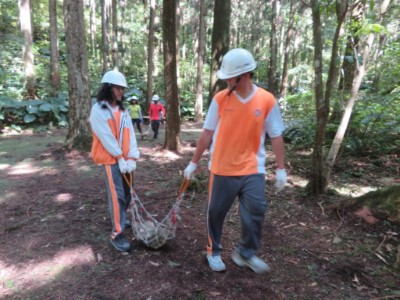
(5, 195)
(23, 168)
(62, 198)
(14, 278)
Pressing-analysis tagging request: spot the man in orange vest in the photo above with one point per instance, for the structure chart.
(235, 126)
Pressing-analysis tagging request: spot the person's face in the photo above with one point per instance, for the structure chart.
(231, 82)
(118, 91)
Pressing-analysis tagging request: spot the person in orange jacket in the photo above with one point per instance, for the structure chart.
(156, 113)
(115, 148)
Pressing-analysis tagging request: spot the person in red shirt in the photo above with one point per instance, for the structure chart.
(156, 113)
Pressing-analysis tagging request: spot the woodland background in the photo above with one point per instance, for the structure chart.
(318, 58)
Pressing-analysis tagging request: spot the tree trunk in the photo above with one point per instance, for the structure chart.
(79, 136)
(319, 180)
(273, 59)
(316, 183)
(25, 20)
(288, 40)
(123, 37)
(114, 49)
(352, 46)
(105, 39)
(54, 70)
(219, 43)
(93, 27)
(172, 133)
(360, 73)
(150, 53)
(198, 107)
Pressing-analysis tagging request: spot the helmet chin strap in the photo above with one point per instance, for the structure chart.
(234, 86)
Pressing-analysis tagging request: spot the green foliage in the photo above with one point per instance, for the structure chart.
(299, 112)
(375, 125)
(53, 110)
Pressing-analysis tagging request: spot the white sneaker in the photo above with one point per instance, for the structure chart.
(254, 263)
(216, 263)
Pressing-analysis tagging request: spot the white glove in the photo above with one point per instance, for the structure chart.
(123, 165)
(188, 173)
(131, 165)
(281, 179)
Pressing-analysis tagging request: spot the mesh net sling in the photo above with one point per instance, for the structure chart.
(153, 233)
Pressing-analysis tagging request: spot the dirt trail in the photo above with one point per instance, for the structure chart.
(55, 229)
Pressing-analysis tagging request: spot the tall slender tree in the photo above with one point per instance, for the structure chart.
(198, 107)
(361, 71)
(79, 136)
(123, 36)
(352, 45)
(273, 58)
(105, 37)
(54, 66)
(150, 53)
(288, 41)
(219, 43)
(25, 20)
(114, 47)
(320, 104)
(92, 27)
(319, 180)
(169, 19)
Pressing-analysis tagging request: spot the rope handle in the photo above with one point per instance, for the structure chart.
(130, 181)
(184, 185)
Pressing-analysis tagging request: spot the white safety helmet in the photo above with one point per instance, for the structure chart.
(133, 98)
(236, 62)
(155, 98)
(114, 77)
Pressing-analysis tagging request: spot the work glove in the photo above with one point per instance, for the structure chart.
(188, 173)
(281, 179)
(123, 165)
(131, 165)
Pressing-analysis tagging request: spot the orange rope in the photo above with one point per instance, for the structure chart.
(130, 179)
(184, 185)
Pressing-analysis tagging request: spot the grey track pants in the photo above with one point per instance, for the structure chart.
(223, 190)
(119, 197)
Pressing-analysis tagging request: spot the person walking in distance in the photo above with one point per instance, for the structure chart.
(136, 114)
(156, 112)
(235, 126)
(115, 148)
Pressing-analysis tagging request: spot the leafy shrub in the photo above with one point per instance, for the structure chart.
(375, 125)
(34, 112)
(300, 133)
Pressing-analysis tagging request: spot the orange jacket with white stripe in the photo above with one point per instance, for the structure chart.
(113, 134)
(239, 128)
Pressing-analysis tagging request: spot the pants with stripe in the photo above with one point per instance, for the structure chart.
(119, 197)
(223, 190)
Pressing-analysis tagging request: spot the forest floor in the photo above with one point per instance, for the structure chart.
(55, 228)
